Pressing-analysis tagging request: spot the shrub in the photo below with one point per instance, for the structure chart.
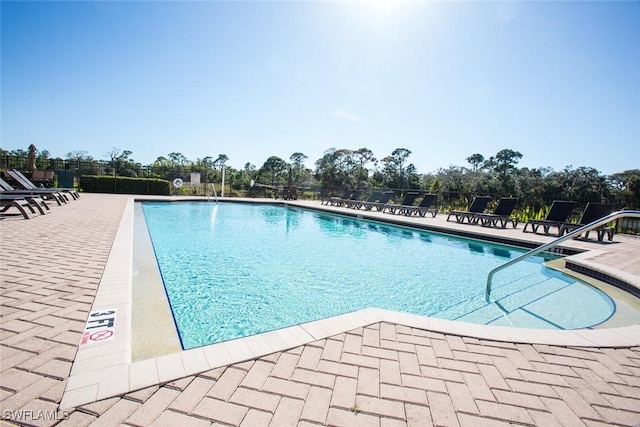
(124, 185)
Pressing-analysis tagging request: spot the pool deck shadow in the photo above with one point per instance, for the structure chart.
(368, 367)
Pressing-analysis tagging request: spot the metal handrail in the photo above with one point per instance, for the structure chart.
(588, 227)
(215, 193)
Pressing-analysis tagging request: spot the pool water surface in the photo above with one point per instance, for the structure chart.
(236, 269)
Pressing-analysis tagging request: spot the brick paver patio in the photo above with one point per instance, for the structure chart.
(382, 374)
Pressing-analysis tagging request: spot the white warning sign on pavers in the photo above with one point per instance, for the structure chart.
(100, 327)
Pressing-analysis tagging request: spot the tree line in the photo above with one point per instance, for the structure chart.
(339, 169)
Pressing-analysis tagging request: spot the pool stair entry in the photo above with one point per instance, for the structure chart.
(548, 246)
(534, 296)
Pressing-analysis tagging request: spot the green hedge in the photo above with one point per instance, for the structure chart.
(124, 185)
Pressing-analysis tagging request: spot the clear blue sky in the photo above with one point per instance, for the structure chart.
(557, 81)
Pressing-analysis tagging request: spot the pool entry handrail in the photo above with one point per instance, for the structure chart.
(595, 224)
(215, 193)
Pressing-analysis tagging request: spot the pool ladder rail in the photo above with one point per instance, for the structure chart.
(595, 224)
(215, 194)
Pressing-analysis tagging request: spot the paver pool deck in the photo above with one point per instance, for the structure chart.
(379, 369)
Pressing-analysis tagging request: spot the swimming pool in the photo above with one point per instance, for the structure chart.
(234, 269)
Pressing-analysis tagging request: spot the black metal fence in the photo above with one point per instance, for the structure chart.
(70, 172)
(628, 226)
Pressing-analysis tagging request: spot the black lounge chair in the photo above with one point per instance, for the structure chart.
(558, 215)
(290, 192)
(501, 214)
(593, 212)
(333, 201)
(381, 203)
(44, 193)
(28, 185)
(343, 202)
(406, 202)
(355, 197)
(478, 206)
(22, 202)
(424, 207)
(39, 176)
(357, 204)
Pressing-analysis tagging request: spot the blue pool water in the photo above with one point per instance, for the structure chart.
(232, 270)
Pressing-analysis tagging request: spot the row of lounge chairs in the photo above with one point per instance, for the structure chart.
(380, 201)
(556, 221)
(30, 199)
(557, 217)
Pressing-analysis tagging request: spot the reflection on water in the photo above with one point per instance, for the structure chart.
(476, 247)
(214, 214)
(502, 253)
(273, 214)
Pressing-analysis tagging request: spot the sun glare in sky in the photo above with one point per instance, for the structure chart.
(384, 12)
(383, 7)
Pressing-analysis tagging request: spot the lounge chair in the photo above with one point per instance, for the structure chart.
(558, 215)
(357, 204)
(501, 214)
(424, 207)
(381, 203)
(44, 193)
(478, 206)
(23, 203)
(593, 212)
(28, 185)
(42, 176)
(335, 200)
(355, 196)
(290, 193)
(408, 200)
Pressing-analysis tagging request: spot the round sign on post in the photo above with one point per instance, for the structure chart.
(177, 182)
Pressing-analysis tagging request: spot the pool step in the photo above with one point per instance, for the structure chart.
(513, 306)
